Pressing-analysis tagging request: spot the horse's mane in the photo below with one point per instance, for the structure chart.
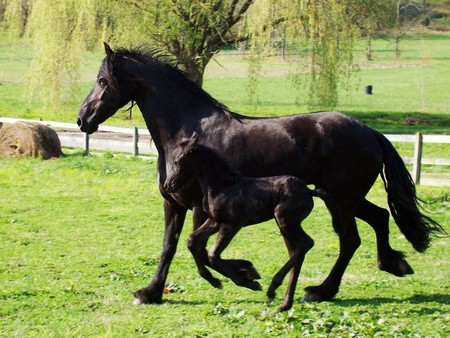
(169, 65)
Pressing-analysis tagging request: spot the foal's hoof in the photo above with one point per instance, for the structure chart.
(254, 285)
(398, 268)
(285, 306)
(250, 273)
(246, 268)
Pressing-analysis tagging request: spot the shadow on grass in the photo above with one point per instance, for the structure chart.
(416, 299)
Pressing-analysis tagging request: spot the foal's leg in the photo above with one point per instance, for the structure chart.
(349, 241)
(197, 245)
(389, 260)
(226, 234)
(298, 244)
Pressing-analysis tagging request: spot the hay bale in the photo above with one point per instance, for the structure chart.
(29, 139)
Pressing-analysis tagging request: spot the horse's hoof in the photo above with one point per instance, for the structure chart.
(310, 297)
(216, 283)
(270, 296)
(316, 294)
(137, 302)
(147, 296)
(398, 268)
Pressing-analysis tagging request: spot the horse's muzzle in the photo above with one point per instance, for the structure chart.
(86, 127)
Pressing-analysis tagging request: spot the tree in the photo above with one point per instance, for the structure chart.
(407, 12)
(192, 31)
(328, 29)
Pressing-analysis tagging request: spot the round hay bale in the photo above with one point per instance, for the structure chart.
(29, 139)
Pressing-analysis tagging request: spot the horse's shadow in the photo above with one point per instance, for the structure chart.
(378, 301)
(416, 299)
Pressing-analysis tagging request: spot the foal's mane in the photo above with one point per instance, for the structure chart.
(168, 65)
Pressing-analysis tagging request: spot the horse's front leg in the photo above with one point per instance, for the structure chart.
(174, 215)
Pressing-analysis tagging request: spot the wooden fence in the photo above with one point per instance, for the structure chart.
(138, 142)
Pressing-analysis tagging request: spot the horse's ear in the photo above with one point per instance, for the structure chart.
(109, 52)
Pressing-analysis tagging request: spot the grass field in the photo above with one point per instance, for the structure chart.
(78, 235)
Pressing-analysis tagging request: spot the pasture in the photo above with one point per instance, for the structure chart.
(411, 86)
(79, 234)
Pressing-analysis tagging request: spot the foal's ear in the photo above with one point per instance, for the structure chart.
(109, 52)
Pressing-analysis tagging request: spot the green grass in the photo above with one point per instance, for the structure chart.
(79, 234)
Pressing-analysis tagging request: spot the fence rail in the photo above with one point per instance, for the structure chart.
(138, 142)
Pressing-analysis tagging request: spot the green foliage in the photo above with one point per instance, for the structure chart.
(328, 30)
(79, 234)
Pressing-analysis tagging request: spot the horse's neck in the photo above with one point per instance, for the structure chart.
(165, 124)
(179, 114)
(213, 173)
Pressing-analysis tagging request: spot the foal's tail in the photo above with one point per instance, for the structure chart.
(402, 199)
(330, 204)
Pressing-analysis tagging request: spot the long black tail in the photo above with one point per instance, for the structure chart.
(402, 199)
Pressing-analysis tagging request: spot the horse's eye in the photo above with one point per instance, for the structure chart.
(102, 82)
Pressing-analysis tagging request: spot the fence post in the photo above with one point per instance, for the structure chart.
(135, 142)
(417, 164)
(86, 144)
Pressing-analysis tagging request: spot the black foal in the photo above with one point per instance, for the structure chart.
(233, 201)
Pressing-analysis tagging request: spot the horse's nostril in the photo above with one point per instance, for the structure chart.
(79, 122)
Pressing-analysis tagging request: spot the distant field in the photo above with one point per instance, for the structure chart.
(415, 85)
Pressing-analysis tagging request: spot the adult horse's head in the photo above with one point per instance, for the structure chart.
(110, 93)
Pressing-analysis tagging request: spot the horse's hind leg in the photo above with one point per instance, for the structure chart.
(197, 245)
(388, 259)
(349, 241)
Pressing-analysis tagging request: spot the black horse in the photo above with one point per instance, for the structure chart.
(233, 201)
(330, 150)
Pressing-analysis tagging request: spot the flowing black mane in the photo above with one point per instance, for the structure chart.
(169, 67)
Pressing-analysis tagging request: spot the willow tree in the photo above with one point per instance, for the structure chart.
(327, 29)
(194, 31)
(190, 30)
(61, 30)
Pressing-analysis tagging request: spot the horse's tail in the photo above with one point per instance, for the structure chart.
(331, 205)
(402, 199)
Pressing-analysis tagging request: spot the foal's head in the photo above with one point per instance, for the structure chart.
(181, 168)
